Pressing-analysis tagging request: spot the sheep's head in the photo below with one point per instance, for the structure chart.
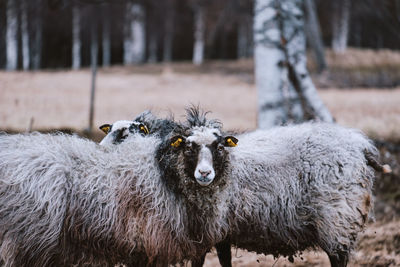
(117, 132)
(202, 154)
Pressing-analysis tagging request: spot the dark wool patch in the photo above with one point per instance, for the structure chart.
(196, 117)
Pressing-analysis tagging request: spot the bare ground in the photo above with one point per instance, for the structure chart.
(60, 100)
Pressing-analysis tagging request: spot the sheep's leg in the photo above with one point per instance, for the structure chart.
(199, 262)
(339, 260)
(224, 253)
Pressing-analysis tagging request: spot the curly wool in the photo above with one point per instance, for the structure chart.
(298, 187)
(68, 201)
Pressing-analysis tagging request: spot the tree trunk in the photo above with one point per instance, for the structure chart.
(134, 39)
(25, 35)
(76, 38)
(245, 36)
(106, 41)
(11, 35)
(37, 37)
(168, 32)
(340, 25)
(94, 47)
(286, 93)
(313, 33)
(153, 47)
(199, 30)
(242, 41)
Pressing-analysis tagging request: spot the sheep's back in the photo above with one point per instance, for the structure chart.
(301, 181)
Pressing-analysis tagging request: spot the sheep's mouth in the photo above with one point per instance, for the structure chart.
(204, 181)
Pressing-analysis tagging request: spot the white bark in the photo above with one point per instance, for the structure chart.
(198, 49)
(285, 91)
(37, 37)
(340, 30)
(11, 35)
(25, 35)
(267, 71)
(106, 39)
(94, 47)
(76, 38)
(134, 39)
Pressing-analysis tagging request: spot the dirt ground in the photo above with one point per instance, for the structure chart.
(60, 100)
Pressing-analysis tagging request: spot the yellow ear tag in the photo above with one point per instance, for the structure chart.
(230, 142)
(105, 129)
(177, 143)
(144, 129)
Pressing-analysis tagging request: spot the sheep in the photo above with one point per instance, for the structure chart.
(145, 123)
(69, 201)
(291, 188)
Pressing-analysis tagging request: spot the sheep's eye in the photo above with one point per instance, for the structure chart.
(220, 147)
(189, 148)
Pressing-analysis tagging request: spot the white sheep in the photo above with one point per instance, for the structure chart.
(291, 188)
(68, 201)
(145, 123)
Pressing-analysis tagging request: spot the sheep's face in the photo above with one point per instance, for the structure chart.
(204, 152)
(120, 130)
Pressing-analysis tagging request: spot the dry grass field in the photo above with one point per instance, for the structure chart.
(60, 100)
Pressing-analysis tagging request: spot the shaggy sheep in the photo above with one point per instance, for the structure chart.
(145, 123)
(291, 188)
(68, 201)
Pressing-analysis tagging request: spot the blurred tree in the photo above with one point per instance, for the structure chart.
(199, 33)
(94, 47)
(154, 18)
(134, 34)
(340, 25)
(313, 34)
(76, 37)
(244, 17)
(11, 35)
(36, 47)
(106, 35)
(25, 35)
(286, 93)
(168, 30)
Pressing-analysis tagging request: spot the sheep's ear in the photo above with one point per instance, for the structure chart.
(230, 141)
(176, 141)
(105, 128)
(143, 129)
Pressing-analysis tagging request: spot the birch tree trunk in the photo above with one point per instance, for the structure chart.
(286, 93)
(313, 34)
(199, 30)
(76, 38)
(134, 39)
(37, 37)
(168, 32)
(11, 35)
(25, 35)
(106, 41)
(94, 47)
(340, 25)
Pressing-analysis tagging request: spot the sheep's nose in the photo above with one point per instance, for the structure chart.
(204, 173)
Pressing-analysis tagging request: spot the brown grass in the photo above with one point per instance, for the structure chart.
(60, 100)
